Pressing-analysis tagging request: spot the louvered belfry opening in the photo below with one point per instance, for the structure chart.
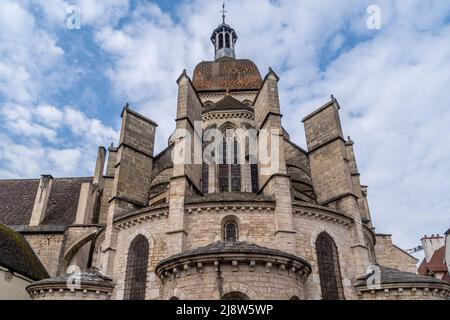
(329, 270)
(136, 275)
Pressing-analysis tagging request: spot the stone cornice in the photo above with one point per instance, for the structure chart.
(398, 289)
(39, 291)
(140, 216)
(229, 207)
(322, 213)
(214, 115)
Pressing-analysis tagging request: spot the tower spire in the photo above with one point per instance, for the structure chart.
(224, 38)
(223, 12)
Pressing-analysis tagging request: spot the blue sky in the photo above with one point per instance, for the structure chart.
(62, 90)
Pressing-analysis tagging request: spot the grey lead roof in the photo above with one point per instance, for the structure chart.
(393, 276)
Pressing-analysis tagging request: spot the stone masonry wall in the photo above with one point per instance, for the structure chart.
(389, 255)
(48, 248)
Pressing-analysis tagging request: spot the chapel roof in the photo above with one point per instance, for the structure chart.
(231, 247)
(394, 276)
(91, 276)
(17, 255)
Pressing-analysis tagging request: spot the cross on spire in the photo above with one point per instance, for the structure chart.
(223, 12)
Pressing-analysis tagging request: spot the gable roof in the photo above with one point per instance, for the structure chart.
(17, 199)
(17, 255)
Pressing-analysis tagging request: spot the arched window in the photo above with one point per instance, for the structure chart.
(294, 298)
(174, 298)
(136, 275)
(230, 231)
(227, 40)
(220, 40)
(329, 270)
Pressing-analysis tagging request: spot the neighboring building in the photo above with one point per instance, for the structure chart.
(447, 249)
(19, 265)
(154, 228)
(434, 264)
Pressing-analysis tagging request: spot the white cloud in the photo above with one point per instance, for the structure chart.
(391, 85)
(93, 13)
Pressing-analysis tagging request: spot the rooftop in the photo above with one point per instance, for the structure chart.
(227, 74)
(18, 256)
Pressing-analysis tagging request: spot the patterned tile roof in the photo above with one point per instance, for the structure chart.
(17, 255)
(223, 74)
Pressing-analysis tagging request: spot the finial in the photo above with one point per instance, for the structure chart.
(227, 92)
(223, 13)
(127, 105)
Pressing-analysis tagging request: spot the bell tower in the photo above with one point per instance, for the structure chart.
(224, 38)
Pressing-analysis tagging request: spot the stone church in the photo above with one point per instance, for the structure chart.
(147, 227)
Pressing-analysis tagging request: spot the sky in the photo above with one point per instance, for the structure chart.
(62, 89)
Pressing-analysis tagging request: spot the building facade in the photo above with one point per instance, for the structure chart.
(292, 225)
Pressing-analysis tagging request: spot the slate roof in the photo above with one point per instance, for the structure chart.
(91, 276)
(394, 276)
(228, 103)
(17, 255)
(223, 74)
(230, 197)
(17, 199)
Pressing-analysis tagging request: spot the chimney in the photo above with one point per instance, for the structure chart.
(430, 244)
(41, 200)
